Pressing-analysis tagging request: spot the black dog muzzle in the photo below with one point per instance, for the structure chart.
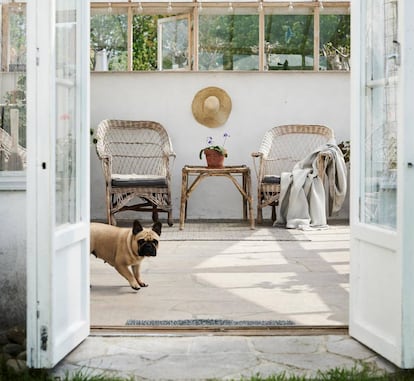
(147, 248)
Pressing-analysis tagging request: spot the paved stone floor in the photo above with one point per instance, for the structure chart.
(226, 271)
(201, 357)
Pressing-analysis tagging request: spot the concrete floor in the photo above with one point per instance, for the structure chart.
(226, 271)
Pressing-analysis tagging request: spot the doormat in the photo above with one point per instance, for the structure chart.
(230, 231)
(210, 323)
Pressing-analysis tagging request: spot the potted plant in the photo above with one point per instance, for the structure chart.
(345, 147)
(214, 154)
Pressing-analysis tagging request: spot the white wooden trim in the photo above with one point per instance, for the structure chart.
(406, 179)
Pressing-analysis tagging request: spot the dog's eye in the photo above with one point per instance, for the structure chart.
(155, 242)
(141, 241)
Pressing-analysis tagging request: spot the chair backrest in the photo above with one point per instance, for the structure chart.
(284, 146)
(135, 147)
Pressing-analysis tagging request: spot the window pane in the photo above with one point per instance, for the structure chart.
(228, 42)
(174, 41)
(17, 38)
(109, 39)
(289, 42)
(335, 42)
(145, 42)
(13, 87)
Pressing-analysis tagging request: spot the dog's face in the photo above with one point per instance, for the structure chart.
(145, 240)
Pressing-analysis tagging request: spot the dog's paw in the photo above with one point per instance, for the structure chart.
(136, 288)
(142, 284)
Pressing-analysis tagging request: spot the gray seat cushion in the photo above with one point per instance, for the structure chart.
(270, 179)
(132, 181)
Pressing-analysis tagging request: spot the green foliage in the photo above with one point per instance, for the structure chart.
(17, 36)
(219, 149)
(225, 38)
(290, 35)
(109, 32)
(145, 42)
(226, 41)
(335, 29)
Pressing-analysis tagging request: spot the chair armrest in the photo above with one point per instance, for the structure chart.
(257, 154)
(107, 167)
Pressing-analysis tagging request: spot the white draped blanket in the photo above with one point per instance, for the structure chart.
(302, 202)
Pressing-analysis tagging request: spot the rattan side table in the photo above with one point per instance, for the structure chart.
(232, 172)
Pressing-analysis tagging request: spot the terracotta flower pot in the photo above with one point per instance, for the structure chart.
(214, 158)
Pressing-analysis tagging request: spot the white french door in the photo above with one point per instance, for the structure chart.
(382, 244)
(58, 179)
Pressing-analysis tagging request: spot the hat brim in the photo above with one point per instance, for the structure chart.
(210, 119)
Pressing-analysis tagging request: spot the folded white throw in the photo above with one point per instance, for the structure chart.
(302, 201)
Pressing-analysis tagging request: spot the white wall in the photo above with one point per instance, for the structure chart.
(13, 258)
(260, 101)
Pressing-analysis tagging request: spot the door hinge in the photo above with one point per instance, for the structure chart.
(43, 338)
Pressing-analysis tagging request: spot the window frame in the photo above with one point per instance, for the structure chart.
(261, 8)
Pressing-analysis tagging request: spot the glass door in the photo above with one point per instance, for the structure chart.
(381, 282)
(58, 180)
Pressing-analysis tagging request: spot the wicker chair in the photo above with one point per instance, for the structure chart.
(136, 160)
(281, 148)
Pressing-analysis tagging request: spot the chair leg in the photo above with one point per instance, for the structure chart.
(154, 213)
(273, 213)
(259, 214)
(170, 218)
(108, 207)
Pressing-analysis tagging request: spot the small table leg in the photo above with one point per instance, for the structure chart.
(249, 198)
(183, 205)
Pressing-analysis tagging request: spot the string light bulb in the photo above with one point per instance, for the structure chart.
(230, 8)
(109, 8)
(290, 6)
(200, 7)
(139, 8)
(169, 8)
(260, 7)
(321, 5)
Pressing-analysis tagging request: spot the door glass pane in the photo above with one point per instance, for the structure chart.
(380, 170)
(66, 111)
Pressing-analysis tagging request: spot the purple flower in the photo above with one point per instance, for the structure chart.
(225, 136)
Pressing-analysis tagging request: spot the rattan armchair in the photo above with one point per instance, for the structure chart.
(136, 158)
(281, 148)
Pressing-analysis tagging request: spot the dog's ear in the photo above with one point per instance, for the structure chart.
(157, 227)
(136, 228)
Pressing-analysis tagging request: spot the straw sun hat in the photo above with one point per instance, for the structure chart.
(211, 106)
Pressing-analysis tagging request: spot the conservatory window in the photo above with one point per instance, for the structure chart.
(12, 90)
(109, 39)
(289, 42)
(228, 41)
(218, 35)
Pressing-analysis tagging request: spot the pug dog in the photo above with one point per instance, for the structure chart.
(124, 247)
